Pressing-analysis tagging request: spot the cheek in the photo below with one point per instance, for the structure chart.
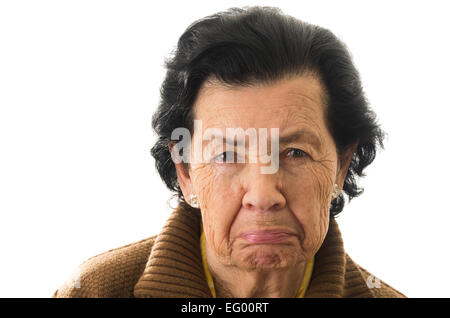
(220, 202)
(309, 198)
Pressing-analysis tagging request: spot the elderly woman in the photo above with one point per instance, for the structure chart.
(241, 230)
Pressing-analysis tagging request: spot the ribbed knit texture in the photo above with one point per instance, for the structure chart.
(170, 265)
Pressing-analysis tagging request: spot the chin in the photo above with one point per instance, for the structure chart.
(267, 257)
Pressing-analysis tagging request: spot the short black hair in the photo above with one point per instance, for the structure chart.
(246, 45)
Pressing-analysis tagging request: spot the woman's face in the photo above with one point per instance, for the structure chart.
(254, 220)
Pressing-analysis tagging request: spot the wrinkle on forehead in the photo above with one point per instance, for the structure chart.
(293, 101)
(306, 88)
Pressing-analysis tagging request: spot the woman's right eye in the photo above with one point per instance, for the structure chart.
(224, 157)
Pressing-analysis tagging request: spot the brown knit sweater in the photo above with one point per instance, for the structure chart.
(170, 265)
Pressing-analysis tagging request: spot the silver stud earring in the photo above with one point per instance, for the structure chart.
(193, 200)
(336, 191)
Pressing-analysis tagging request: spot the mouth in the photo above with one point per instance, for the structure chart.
(266, 236)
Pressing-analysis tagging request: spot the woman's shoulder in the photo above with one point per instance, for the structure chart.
(109, 274)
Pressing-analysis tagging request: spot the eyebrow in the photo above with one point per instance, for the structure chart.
(236, 143)
(302, 135)
(298, 135)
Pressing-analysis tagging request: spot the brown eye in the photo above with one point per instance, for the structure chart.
(296, 153)
(222, 158)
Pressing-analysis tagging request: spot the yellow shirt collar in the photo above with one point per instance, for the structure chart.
(301, 292)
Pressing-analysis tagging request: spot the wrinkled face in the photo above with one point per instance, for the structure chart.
(254, 220)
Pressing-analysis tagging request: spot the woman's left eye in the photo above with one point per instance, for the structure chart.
(296, 153)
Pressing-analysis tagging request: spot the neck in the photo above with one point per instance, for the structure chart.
(230, 281)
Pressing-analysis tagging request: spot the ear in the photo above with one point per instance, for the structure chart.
(344, 164)
(184, 178)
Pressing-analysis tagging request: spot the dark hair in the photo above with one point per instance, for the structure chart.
(246, 45)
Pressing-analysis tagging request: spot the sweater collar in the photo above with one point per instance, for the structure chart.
(175, 269)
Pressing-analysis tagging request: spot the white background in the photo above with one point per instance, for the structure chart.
(79, 81)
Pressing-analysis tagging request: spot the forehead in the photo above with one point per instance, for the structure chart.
(282, 104)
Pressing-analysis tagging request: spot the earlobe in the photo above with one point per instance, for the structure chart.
(336, 191)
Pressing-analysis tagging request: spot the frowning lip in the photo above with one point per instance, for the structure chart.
(266, 236)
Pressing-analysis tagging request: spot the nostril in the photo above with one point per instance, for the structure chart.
(263, 205)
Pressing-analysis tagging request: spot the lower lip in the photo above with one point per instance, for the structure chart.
(266, 237)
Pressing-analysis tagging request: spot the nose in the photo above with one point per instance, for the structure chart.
(263, 191)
